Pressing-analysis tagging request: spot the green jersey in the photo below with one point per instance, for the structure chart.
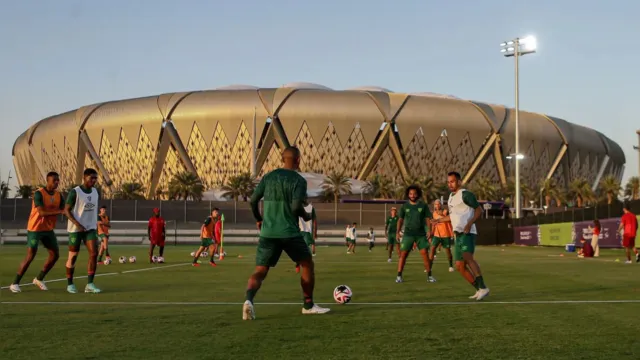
(415, 217)
(392, 225)
(285, 193)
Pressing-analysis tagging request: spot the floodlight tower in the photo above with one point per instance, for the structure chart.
(516, 48)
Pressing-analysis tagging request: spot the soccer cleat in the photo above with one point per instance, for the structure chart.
(92, 289)
(15, 288)
(71, 289)
(451, 269)
(298, 269)
(348, 252)
(425, 270)
(212, 263)
(247, 311)
(40, 284)
(195, 264)
(474, 296)
(638, 258)
(482, 293)
(399, 279)
(628, 262)
(100, 262)
(315, 310)
(431, 279)
(314, 254)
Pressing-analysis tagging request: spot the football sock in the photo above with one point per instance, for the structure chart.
(107, 251)
(100, 258)
(399, 273)
(251, 293)
(70, 276)
(41, 275)
(17, 279)
(480, 282)
(90, 278)
(211, 260)
(161, 250)
(429, 273)
(195, 259)
(450, 262)
(308, 303)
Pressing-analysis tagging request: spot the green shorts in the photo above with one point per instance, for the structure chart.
(407, 242)
(206, 242)
(47, 238)
(391, 239)
(270, 249)
(77, 238)
(464, 243)
(446, 242)
(308, 238)
(351, 241)
(103, 236)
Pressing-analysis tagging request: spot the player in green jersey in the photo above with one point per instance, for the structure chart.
(390, 231)
(284, 192)
(415, 217)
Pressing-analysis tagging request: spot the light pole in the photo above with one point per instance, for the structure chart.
(637, 148)
(516, 48)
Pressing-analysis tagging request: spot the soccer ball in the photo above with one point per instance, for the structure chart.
(122, 260)
(342, 294)
(160, 260)
(154, 259)
(132, 259)
(193, 253)
(107, 261)
(204, 254)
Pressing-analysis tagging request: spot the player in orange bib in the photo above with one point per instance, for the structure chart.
(442, 233)
(104, 224)
(46, 206)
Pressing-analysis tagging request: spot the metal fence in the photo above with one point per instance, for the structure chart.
(600, 212)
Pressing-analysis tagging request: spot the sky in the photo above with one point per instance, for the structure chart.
(59, 55)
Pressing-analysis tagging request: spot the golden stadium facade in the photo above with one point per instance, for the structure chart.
(360, 131)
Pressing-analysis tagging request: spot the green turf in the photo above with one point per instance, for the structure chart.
(360, 330)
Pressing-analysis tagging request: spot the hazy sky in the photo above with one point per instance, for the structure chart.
(60, 55)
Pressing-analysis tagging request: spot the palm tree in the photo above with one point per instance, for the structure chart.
(241, 185)
(632, 189)
(484, 189)
(336, 184)
(130, 191)
(249, 183)
(610, 186)
(187, 186)
(581, 191)
(25, 191)
(379, 187)
(159, 193)
(442, 189)
(430, 189)
(550, 190)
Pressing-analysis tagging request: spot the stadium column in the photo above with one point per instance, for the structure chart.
(177, 144)
(94, 155)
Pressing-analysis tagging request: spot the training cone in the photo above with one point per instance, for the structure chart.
(617, 260)
(561, 254)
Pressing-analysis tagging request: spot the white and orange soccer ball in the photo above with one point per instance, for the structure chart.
(132, 259)
(342, 294)
(160, 260)
(122, 260)
(107, 261)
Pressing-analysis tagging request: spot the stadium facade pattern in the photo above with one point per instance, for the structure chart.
(360, 132)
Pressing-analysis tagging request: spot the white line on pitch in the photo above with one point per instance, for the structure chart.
(148, 303)
(154, 268)
(63, 279)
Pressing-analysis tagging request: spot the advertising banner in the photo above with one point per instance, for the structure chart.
(556, 234)
(526, 235)
(609, 235)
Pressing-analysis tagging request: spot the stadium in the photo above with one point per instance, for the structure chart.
(357, 132)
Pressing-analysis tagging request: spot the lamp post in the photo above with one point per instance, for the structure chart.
(516, 48)
(637, 148)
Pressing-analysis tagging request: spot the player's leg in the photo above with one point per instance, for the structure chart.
(267, 256)
(390, 246)
(50, 242)
(423, 247)
(32, 250)
(467, 245)
(74, 248)
(105, 244)
(435, 242)
(447, 247)
(405, 247)
(92, 249)
(152, 247)
(298, 250)
(102, 247)
(196, 256)
(212, 253)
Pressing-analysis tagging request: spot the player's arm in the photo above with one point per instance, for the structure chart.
(218, 230)
(386, 227)
(428, 220)
(107, 221)
(470, 200)
(315, 223)
(400, 221)
(38, 201)
(69, 204)
(207, 221)
(257, 195)
(164, 228)
(299, 199)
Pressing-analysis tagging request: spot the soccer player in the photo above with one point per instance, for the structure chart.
(414, 216)
(80, 208)
(46, 206)
(209, 232)
(390, 231)
(347, 236)
(351, 240)
(629, 228)
(156, 231)
(371, 238)
(309, 230)
(464, 210)
(442, 233)
(103, 233)
(285, 193)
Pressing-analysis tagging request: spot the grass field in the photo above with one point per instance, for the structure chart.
(175, 311)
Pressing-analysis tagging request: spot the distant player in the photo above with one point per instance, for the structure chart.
(104, 224)
(209, 232)
(414, 216)
(351, 240)
(347, 236)
(157, 233)
(442, 233)
(390, 231)
(371, 239)
(46, 206)
(464, 210)
(285, 193)
(309, 230)
(81, 210)
(629, 228)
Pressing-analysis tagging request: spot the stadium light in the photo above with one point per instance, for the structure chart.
(516, 48)
(517, 156)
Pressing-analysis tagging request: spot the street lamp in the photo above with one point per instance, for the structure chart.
(637, 148)
(516, 48)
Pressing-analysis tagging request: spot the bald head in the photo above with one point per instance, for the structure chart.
(291, 158)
